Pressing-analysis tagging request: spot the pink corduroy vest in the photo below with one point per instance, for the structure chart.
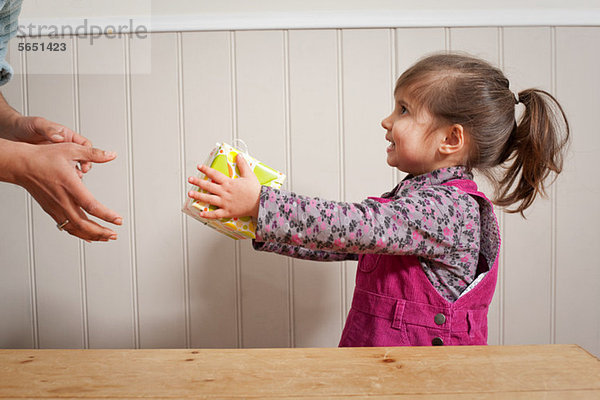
(395, 304)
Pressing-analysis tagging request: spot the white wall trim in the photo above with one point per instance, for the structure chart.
(321, 19)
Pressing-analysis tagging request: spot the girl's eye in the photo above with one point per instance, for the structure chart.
(403, 110)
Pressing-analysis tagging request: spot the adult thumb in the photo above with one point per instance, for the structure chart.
(52, 131)
(95, 155)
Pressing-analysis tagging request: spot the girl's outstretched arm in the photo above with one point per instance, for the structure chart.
(430, 221)
(436, 222)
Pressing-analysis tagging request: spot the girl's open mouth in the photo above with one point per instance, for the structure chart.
(391, 147)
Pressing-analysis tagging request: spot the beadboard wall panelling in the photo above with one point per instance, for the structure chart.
(157, 197)
(367, 98)
(209, 118)
(578, 273)
(260, 73)
(103, 119)
(15, 268)
(484, 43)
(59, 267)
(308, 102)
(528, 264)
(315, 170)
(15, 282)
(414, 43)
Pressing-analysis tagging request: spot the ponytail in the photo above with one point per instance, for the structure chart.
(535, 147)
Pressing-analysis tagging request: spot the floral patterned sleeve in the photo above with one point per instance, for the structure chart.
(433, 222)
(301, 252)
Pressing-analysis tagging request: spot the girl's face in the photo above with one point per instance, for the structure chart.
(413, 146)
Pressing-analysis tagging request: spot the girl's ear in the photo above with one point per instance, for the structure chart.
(453, 140)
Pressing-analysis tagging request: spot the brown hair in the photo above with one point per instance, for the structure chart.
(461, 89)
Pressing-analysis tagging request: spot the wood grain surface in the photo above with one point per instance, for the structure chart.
(477, 372)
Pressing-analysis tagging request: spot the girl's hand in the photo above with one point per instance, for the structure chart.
(235, 197)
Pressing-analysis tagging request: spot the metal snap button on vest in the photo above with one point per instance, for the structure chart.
(439, 319)
(437, 341)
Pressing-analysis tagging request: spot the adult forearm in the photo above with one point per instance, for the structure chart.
(8, 118)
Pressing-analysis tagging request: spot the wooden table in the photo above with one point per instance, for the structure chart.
(478, 372)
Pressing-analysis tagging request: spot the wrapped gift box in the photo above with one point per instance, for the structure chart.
(223, 159)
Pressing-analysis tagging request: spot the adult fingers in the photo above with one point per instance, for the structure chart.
(83, 198)
(81, 226)
(52, 131)
(62, 208)
(62, 194)
(92, 154)
(74, 137)
(86, 166)
(57, 133)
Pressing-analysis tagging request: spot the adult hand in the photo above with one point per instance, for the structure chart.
(235, 197)
(48, 172)
(38, 130)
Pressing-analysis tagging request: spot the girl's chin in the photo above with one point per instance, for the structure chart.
(394, 164)
(391, 162)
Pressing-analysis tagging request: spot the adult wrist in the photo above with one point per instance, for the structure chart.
(9, 122)
(13, 161)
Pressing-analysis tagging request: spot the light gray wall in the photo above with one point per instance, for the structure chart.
(308, 102)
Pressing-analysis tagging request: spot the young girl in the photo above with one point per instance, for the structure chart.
(427, 250)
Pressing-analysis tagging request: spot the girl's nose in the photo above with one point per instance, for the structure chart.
(387, 123)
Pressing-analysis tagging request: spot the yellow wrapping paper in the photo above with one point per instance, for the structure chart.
(223, 159)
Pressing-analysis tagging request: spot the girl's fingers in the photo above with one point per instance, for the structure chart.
(213, 174)
(243, 166)
(216, 214)
(206, 185)
(193, 180)
(205, 198)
